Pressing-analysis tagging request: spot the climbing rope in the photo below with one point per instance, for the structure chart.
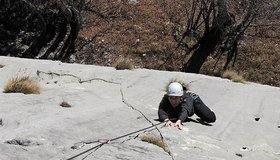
(103, 141)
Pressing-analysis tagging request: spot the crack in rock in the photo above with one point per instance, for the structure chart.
(161, 136)
(71, 75)
(81, 144)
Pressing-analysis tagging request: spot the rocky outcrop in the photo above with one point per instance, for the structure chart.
(113, 115)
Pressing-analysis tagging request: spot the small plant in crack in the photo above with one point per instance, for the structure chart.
(156, 141)
(65, 104)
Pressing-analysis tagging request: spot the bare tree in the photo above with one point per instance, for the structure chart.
(211, 29)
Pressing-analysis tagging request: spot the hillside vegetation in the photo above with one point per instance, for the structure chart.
(142, 32)
(197, 36)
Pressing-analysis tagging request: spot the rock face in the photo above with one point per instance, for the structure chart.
(105, 104)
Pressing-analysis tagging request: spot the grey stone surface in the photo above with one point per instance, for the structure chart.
(107, 103)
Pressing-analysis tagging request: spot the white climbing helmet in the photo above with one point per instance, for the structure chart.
(175, 89)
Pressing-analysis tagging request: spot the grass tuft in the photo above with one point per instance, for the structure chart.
(24, 85)
(122, 64)
(184, 84)
(233, 75)
(156, 141)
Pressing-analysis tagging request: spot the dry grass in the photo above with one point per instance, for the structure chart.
(184, 84)
(65, 104)
(122, 63)
(156, 141)
(258, 57)
(24, 85)
(233, 75)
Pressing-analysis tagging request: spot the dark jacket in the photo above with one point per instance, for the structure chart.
(182, 112)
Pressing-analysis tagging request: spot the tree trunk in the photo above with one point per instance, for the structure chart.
(207, 45)
(38, 42)
(210, 39)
